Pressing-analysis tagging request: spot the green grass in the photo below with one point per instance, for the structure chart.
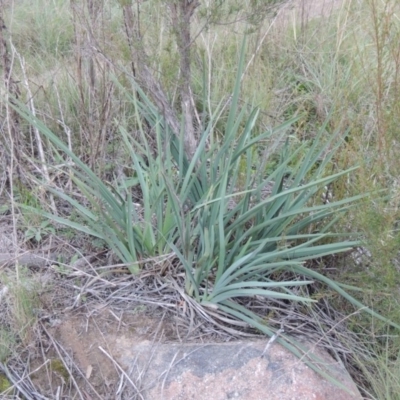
(19, 303)
(342, 71)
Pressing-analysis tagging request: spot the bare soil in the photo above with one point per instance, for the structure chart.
(90, 342)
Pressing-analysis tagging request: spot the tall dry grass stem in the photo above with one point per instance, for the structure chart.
(95, 85)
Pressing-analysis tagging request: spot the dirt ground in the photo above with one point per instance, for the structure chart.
(89, 343)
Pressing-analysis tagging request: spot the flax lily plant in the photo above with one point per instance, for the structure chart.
(232, 229)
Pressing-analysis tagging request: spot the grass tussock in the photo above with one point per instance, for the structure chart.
(19, 306)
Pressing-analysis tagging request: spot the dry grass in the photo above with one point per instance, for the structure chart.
(103, 297)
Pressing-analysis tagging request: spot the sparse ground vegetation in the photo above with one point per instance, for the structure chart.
(238, 159)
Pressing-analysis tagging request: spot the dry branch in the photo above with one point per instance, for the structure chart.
(12, 93)
(181, 13)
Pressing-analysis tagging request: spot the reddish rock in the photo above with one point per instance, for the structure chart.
(235, 370)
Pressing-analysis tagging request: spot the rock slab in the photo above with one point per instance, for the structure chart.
(235, 370)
